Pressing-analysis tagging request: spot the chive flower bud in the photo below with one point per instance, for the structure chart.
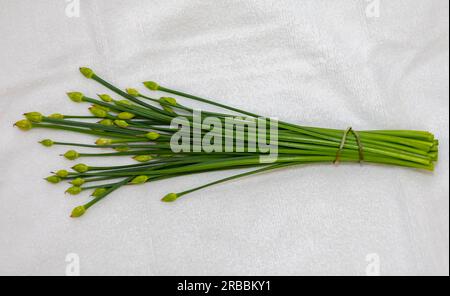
(78, 212)
(105, 98)
(34, 116)
(53, 179)
(87, 72)
(24, 124)
(142, 158)
(168, 100)
(126, 115)
(74, 190)
(71, 155)
(102, 142)
(122, 148)
(62, 173)
(80, 168)
(168, 109)
(152, 135)
(139, 180)
(123, 102)
(99, 112)
(56, 116)
(76, 97)
(171, 197)
(99, 192)
(151, 85)
(106, 122)
(78, 182)
(121, 123)
(47, 143)
(133, 92)
(101, 107)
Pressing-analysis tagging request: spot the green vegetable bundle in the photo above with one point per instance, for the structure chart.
(141, 127)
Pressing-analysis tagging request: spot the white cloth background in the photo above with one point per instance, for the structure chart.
(323, 63)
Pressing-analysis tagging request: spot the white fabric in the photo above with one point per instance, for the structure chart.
(322, 63)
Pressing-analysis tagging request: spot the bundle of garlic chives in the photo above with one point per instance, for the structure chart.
(142, 127)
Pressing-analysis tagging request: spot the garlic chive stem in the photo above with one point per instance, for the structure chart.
(78, 117)
(112, 146)
(136, 152)
(94, 126)
(189, 96)
(97, 180)
(78, 130)
(418, 135)
(267, 168)
(180, 160)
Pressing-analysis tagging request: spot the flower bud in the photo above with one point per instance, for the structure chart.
(122, 148)
(123, 103)
(24, 124)
(133, 92)
(98, 112)
(47, 143)
(168, 100)
(80, 168)
(78, 212)
(71, 155)
(126, 115)
(74, 190)
(101, 107)
(34, 116)
(88, 73)
(76, 97)
(167, 108)
(121, 123)
(151, 85)
(152, 135)
(106, 98)
(102, 142)
(99, 192)
(53, 179)
(139, 180)
(171, 197)
(142, 158)
(62, 173)
(56, 116)
(106, 122)
(78, 182)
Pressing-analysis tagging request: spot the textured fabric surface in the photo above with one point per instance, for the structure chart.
(367, 64)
